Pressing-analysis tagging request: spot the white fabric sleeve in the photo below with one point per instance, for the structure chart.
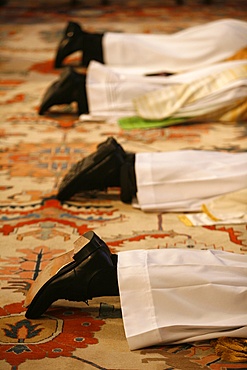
(180, 295)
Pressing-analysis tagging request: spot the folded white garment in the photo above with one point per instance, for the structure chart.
(182, 295)
(188, 49)
(229, 208)
(184, 180)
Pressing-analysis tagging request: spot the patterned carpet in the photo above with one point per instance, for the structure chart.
(37, 151)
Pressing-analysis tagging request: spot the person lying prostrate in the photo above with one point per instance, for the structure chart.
(215, 92)
(161, 181)
(167, 296)
(188, 49)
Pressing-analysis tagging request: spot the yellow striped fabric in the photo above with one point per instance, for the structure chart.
(171, 100)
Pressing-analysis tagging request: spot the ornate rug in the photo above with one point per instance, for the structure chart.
(37, 151)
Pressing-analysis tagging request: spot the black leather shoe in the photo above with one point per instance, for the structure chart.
(96, 172)
(76, 39)
(71, 42)
(71, 87)
(91, 274)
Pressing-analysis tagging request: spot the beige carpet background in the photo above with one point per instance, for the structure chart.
(37, 151)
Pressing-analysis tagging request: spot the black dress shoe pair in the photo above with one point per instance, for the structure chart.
(75, 39)
(71, 87)
(109, 166)
(92, 273)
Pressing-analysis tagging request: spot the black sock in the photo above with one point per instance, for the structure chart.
(114, 258)
(104, 283)
(92, 48)
(128, 179)
(82, 95)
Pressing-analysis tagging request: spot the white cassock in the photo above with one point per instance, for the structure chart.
(213, 89)
(178, 295)
(191, 48)
(202, 81)
(183, 180)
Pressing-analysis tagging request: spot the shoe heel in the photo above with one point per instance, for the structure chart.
(93, 242)
(82, 253)
(50, 270)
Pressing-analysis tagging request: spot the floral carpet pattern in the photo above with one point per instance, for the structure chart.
(36, 152)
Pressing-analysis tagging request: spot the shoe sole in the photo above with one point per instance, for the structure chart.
(74, 181)
(58, 267)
